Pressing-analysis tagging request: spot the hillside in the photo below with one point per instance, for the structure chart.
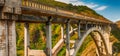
(83, 10)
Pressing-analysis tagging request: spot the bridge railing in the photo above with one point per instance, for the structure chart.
(41, 6)
(34, 4)
(37, 5)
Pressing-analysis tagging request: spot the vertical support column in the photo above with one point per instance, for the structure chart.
(7, 38)
(6, 26)
(62, 31)
(86, 27)
(79, 34)
(67, 38)
(26, 39)
(12, 38)
(48, 36)
(3, 38)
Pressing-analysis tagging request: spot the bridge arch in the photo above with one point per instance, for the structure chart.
(90, 31)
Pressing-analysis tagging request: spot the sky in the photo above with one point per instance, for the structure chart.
(110, 9)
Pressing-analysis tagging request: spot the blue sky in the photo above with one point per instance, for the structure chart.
(108, 8)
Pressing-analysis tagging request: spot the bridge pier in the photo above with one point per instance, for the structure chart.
(86, 26)
(62, 31)
(79, 34)
(7, 38)
(48, 38)
(26, 39)
(67, 38)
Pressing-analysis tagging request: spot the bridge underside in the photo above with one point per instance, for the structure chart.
(8, 38)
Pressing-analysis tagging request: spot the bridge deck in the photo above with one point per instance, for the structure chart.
(38, 9)
(36, 12)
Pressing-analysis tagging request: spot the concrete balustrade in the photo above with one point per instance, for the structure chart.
(41, 6)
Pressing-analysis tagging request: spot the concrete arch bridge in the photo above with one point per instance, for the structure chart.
(32, 11)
